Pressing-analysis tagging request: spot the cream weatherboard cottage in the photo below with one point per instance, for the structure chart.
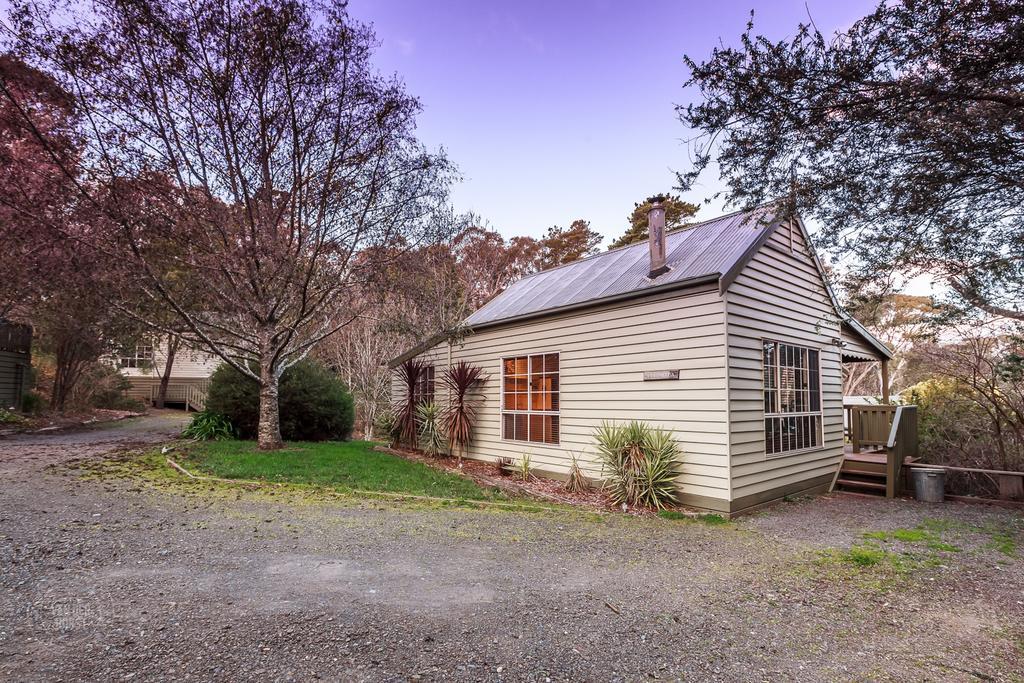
(724, 332)
(189, 378)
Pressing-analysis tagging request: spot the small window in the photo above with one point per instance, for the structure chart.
(792, 398)
(530, 398)
(424, 392)
(141, 357)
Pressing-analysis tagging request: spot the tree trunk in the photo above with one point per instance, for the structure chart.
(69, 368)
(269, 430)
(369, 417)
(165, 379)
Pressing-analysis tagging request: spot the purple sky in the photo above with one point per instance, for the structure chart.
(562, 110)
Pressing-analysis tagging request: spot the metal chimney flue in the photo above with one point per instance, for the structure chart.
(656, 238)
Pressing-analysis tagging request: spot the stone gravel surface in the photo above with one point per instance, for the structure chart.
(124, 577)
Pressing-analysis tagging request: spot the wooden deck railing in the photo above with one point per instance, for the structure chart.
(899, 447)
(870, 426)
(892, 429)
(196, 396)
(192, 394)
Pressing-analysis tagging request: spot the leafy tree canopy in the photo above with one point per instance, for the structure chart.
(677, 214)
(565, 245)
(905, 132)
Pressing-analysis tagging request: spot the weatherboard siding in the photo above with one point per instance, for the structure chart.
(780, 296)
(604, 352)
(188, 364)
(14, 377)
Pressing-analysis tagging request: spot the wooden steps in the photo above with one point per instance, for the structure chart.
(862, 484)
(864, 472)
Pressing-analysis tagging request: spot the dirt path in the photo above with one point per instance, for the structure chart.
(113, 579)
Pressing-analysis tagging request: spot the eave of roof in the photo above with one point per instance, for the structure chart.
(844, 316)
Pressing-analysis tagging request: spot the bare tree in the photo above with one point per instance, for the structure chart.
(249, 144)
(359, 354)
(973, 411)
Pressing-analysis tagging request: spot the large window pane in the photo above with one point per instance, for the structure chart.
(792, 397)
(530, 398)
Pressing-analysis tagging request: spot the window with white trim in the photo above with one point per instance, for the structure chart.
(792, 398)
(141, 357)
(424, 389)
(530, 398)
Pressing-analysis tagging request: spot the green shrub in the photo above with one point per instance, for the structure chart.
(208, 426)
(103, 386)
(314, 403)
(9, 417)
(639, 463)
(384, 426)
(32, 403)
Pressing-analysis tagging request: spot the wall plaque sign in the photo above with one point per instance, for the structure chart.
(657, 375)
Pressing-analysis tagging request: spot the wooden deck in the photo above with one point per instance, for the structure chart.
(877, 457)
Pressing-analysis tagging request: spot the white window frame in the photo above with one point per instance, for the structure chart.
(137, 360)
(819, 413)
(529, 411)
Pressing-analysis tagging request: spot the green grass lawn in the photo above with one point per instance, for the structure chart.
(342, 465)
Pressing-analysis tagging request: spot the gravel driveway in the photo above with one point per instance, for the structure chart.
(115, 578)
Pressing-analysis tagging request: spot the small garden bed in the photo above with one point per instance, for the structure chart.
(349, 465)
(487, 474)
(17, 423)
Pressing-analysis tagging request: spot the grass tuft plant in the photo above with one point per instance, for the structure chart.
(432, 440)
(576, 483)
(524, 467)
(208, 426)
(639, 463)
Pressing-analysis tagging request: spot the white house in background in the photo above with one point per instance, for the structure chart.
(189, 377)
(724, 332)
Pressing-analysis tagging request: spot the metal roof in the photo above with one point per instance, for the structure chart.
(714, 250)
(709, 248)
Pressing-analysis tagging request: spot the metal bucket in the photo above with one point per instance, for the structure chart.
(929, 484)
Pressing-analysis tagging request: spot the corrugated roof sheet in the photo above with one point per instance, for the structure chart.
(703, 249)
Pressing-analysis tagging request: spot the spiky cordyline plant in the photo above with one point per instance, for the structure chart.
(639, 463)
(406, 432)
(459, 417)
(432, 439)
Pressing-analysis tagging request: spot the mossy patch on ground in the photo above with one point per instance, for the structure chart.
(920, 535)
(710, 518)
